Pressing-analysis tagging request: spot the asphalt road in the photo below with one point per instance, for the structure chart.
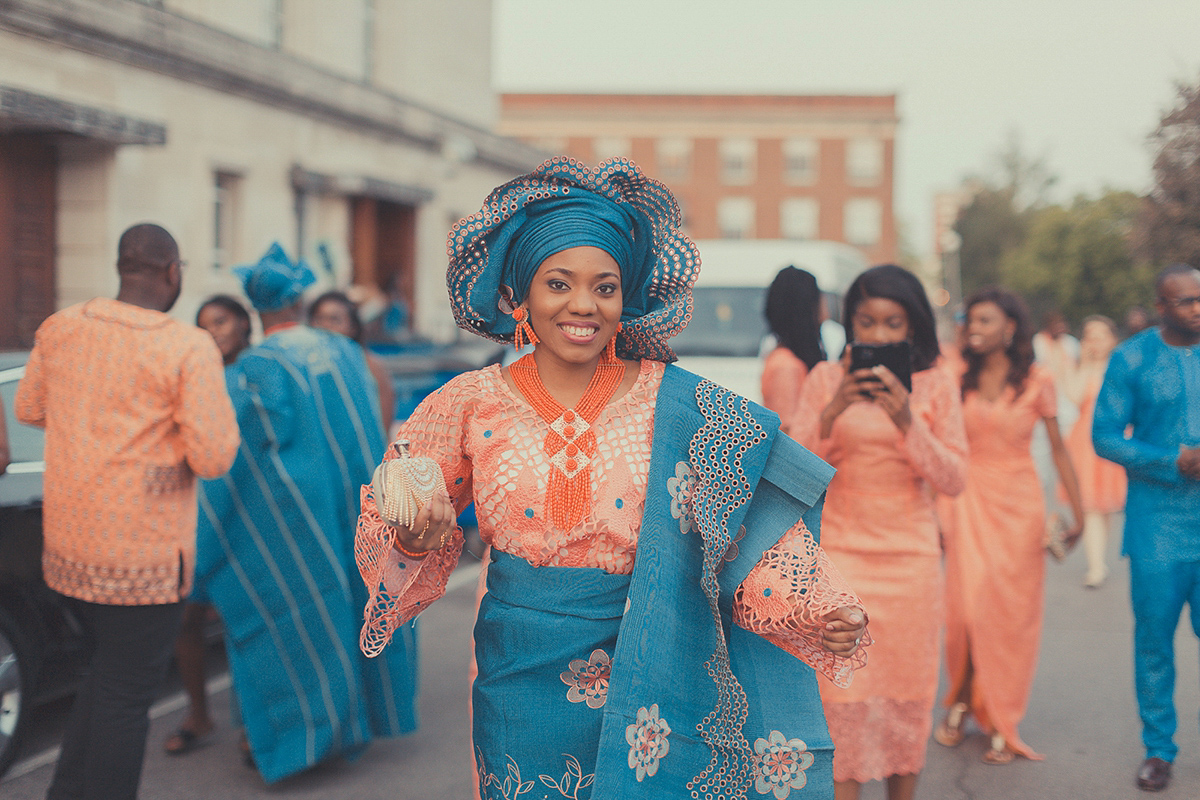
(1082, 716)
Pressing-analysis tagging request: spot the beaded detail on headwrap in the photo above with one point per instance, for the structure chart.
(664, 304)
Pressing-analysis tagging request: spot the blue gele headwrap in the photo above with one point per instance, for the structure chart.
(275, 282)
(495, 253)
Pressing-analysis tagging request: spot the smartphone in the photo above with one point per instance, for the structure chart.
(896, 356)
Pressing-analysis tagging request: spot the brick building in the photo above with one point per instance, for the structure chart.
(742, 166)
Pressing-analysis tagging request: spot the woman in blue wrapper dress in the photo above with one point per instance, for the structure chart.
(655, 600)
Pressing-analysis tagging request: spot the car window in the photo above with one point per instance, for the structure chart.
(726, 321)
(24, 443)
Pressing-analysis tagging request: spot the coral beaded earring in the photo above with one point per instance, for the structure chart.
(524, 332)
(610, 350)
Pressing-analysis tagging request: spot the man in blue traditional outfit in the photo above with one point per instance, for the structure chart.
(277, 533)
(1153, 385)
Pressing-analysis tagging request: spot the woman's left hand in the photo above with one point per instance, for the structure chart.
(892, 397)
(843, 631)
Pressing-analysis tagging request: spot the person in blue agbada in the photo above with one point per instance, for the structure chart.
(276, 540)
(656, 603)
(1152, 388)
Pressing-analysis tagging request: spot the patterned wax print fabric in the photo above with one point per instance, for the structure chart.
(1102, 483)
(996, 559)
(276, 555)
(1155, 388)
(134, 408)
(880, 530)
(653, 699)
(782, 376)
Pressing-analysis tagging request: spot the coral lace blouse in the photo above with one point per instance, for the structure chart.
(488, 442)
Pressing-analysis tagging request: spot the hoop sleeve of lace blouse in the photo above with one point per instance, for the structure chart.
(786, 596)
(400, 588)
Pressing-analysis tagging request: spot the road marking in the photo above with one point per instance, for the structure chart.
(464, 576)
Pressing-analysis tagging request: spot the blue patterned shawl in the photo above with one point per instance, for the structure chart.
(612, 687)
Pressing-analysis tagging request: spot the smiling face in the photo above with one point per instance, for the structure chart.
(574, 304)
(878, 320)
(988, 328)
(227, 330)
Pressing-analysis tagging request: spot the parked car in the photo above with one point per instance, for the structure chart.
(42, 642)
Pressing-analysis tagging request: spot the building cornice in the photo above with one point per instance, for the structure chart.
(152, 38)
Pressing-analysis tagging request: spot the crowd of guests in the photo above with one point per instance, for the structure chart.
(630, 508)
(967, 433)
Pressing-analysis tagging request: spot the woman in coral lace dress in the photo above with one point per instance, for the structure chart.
(633, 511)
(890, 448)
(1102, 483)
(995, 530)
(793, 311)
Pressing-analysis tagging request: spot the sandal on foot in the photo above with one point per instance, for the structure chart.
(183, 741)
(949, 732)
(999, 753)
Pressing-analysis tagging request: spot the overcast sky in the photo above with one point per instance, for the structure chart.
(1083, 82)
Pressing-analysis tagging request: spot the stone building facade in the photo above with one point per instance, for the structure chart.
(361, 125)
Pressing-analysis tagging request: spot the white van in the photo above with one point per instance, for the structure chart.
(725, 339)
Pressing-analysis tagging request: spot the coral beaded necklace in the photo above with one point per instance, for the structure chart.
(571, 442)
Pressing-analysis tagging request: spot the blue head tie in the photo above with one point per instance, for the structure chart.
(275, 282)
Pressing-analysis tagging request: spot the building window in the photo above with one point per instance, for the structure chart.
(226, 191)
(798, 218)
(606, 147)
(674, 159)
(863, 222)
(737, 161)
(864, 161)
(800, 161)
(735, 217)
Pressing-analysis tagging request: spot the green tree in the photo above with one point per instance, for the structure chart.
(1168, 225)
(1079, 259)
(997, 219)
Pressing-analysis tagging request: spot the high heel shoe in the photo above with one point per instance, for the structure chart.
(949, 732)
(999, 752)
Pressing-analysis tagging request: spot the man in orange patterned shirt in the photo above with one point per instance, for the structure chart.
(135, 408)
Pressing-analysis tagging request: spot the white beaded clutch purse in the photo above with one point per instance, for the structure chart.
(404, 484)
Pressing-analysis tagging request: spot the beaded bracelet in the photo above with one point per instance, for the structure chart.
(409, 553)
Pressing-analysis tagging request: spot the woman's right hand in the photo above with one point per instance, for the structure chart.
(431, 526)
(848, 391)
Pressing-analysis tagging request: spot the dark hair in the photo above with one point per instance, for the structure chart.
(1171, 271)
(1019, 350)
(897, 284)
(356, 325)
(793, 312)
(145, 248)
(231, 305)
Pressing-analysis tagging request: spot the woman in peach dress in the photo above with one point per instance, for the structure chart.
(1102, 483)
(793, 311)
(994, 532)
(890, 448)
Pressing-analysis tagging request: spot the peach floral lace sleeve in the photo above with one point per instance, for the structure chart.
(399, 587)
(786, 596)
(936, 442)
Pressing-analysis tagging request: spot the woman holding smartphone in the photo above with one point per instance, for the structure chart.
(889, 446)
